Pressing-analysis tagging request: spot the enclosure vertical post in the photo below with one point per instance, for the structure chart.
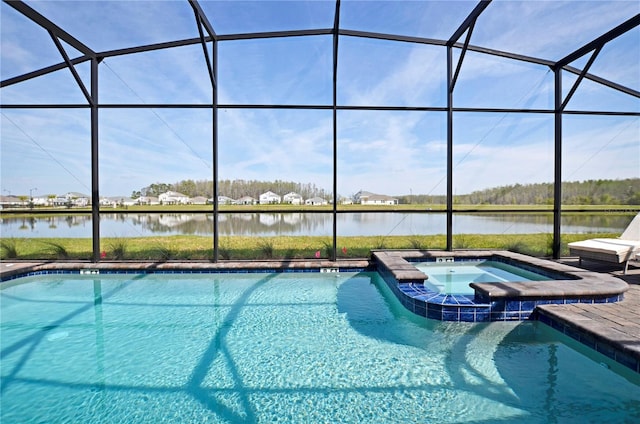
(557, 184)
(95, 186)
(215, 153)
(449, 149)
(336, 25)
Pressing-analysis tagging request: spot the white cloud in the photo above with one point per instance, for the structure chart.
(270, 145)
(548, 29)
(382, 73)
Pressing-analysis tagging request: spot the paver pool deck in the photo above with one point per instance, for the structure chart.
(600, 325)
(603, 325)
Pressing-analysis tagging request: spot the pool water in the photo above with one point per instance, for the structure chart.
(455, 277)
(286, 347)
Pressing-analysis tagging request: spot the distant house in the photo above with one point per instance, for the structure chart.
(357, 198)
(111, 202)
(173, 198)
(368, 198)
(269, 198)
(198, 200)
(40, 201)
(115, 201)
(292, 198)
(316, 201)
(9, 201)
(224, 200)
(379, 199)
(246, 200)
(77, 199)
(59, 201)
(148, 200)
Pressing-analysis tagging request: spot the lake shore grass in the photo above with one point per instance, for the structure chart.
(183, 247)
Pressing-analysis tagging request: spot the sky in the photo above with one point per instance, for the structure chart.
(47, 151)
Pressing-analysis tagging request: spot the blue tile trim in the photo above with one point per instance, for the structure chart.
(174, 271)
(629, 361)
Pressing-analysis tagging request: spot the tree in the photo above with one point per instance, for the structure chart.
(155, 189)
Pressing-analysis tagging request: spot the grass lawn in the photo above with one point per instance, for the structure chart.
(247, 248)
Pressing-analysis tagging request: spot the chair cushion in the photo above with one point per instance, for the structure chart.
(606, 245)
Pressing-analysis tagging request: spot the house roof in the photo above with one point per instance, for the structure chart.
(380, 197)
(174, 194)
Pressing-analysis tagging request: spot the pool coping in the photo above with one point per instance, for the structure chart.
(16, 269)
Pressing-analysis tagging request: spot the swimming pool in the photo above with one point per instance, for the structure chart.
(282, 347)
(455, 277)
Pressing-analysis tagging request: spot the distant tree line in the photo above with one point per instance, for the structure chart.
(591, 192)
(234, 188)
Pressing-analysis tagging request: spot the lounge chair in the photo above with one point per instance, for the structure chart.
(618, 250)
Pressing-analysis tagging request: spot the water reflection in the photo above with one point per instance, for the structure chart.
(295, 224)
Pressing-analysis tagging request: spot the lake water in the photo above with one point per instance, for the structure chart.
(296, 224)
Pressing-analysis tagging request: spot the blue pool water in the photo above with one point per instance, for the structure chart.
(455, 277)
(287, 347)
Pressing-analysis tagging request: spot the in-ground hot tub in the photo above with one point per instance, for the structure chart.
(455, 277)
(487, 300)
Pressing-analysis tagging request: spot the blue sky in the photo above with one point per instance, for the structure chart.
(387, 152)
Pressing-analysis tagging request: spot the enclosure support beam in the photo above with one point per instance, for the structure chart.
(95, 186)
(449, 149)
(336, 26)
(214, 136)
(201, 20)
(467, 26)
(45, 23)
(468, 22)
(71, 67)
(205, 52)
(600, 41)
(461, 58)
(580, 78)
(557, 184)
